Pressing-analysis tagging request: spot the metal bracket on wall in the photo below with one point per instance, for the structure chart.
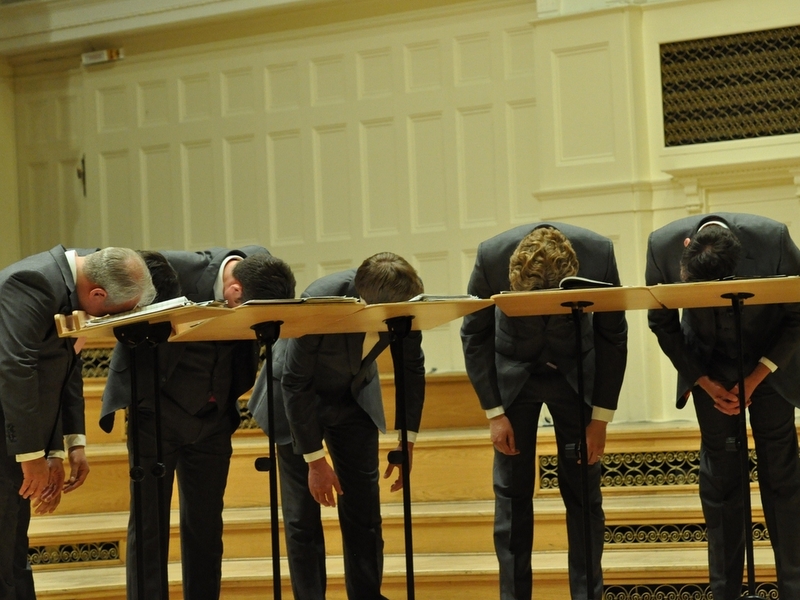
(82, 174)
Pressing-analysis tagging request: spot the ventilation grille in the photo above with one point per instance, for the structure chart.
(731, 87)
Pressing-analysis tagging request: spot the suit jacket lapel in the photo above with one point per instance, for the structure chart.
(355, 347)
(747, 266)
(58, 254)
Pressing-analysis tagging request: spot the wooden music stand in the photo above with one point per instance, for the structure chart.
(708, 294)
(266, 321)
(150, 326)
(178, 312)
(261, 320)
(576, 302)
(298, 317)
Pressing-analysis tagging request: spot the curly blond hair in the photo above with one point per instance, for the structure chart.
(541, 260)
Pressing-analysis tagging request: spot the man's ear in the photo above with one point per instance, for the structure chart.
(234, 292)
(686, 242)
(98, 293)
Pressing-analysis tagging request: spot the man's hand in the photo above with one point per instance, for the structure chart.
(35, 477)
(41, 507)
(398, 484)
(596, 440)
(322, 481)
(78, 469)
(502, 435)
(751, 382)
(51, 496)
(724, 401)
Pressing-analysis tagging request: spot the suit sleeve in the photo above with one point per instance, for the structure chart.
(666, 325)
(72, 403)
(611, 347)
(299, 394)
(477, 340)
(787, 342)
(27, 306)
(414, 369)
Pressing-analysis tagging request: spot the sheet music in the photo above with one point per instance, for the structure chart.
(306, 300)
(151, 309)
(441, 298)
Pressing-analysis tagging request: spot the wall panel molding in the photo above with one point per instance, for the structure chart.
(427, 172)
(285, 188)
(475, 145)
(583, 103)
(332, 186)
(379, 165)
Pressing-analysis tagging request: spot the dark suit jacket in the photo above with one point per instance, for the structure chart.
(258, 404)
(197, 273)
(320, 368)
(500, 352)
(771, 330)
(41, 389)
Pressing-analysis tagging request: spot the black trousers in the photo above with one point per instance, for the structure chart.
(198, 450)
(775, 435)
(16, 577)
(514, 485)
(352, 442)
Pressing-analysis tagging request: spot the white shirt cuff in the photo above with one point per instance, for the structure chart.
(312, 456)
(57, 454)
(30, 456)
(495, 412)
(602, 414)
(769, 364)
(411, 435)
(74, 439)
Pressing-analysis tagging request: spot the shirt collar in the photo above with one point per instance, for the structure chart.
(218, 283)
(73, 264)
(707, 223)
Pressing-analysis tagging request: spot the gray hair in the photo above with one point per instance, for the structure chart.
(122, 273)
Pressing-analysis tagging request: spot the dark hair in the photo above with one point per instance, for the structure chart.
(387, 277)
(264, 277)
(165, 278)
(713, 253)
(541, 260)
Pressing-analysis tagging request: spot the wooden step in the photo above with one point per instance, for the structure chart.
(437, 528)
(448, 465)
(466, 576)
(647, 521)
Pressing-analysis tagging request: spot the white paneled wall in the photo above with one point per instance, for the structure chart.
(422, 133)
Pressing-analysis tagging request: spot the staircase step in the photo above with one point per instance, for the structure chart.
(436, 576)
(448, 465)
(645, 521)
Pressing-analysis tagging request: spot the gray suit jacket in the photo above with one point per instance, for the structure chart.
(314, 369)
(771, 330)
(259, 405)
(41, 389)
(500, 352)
(197, 273)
